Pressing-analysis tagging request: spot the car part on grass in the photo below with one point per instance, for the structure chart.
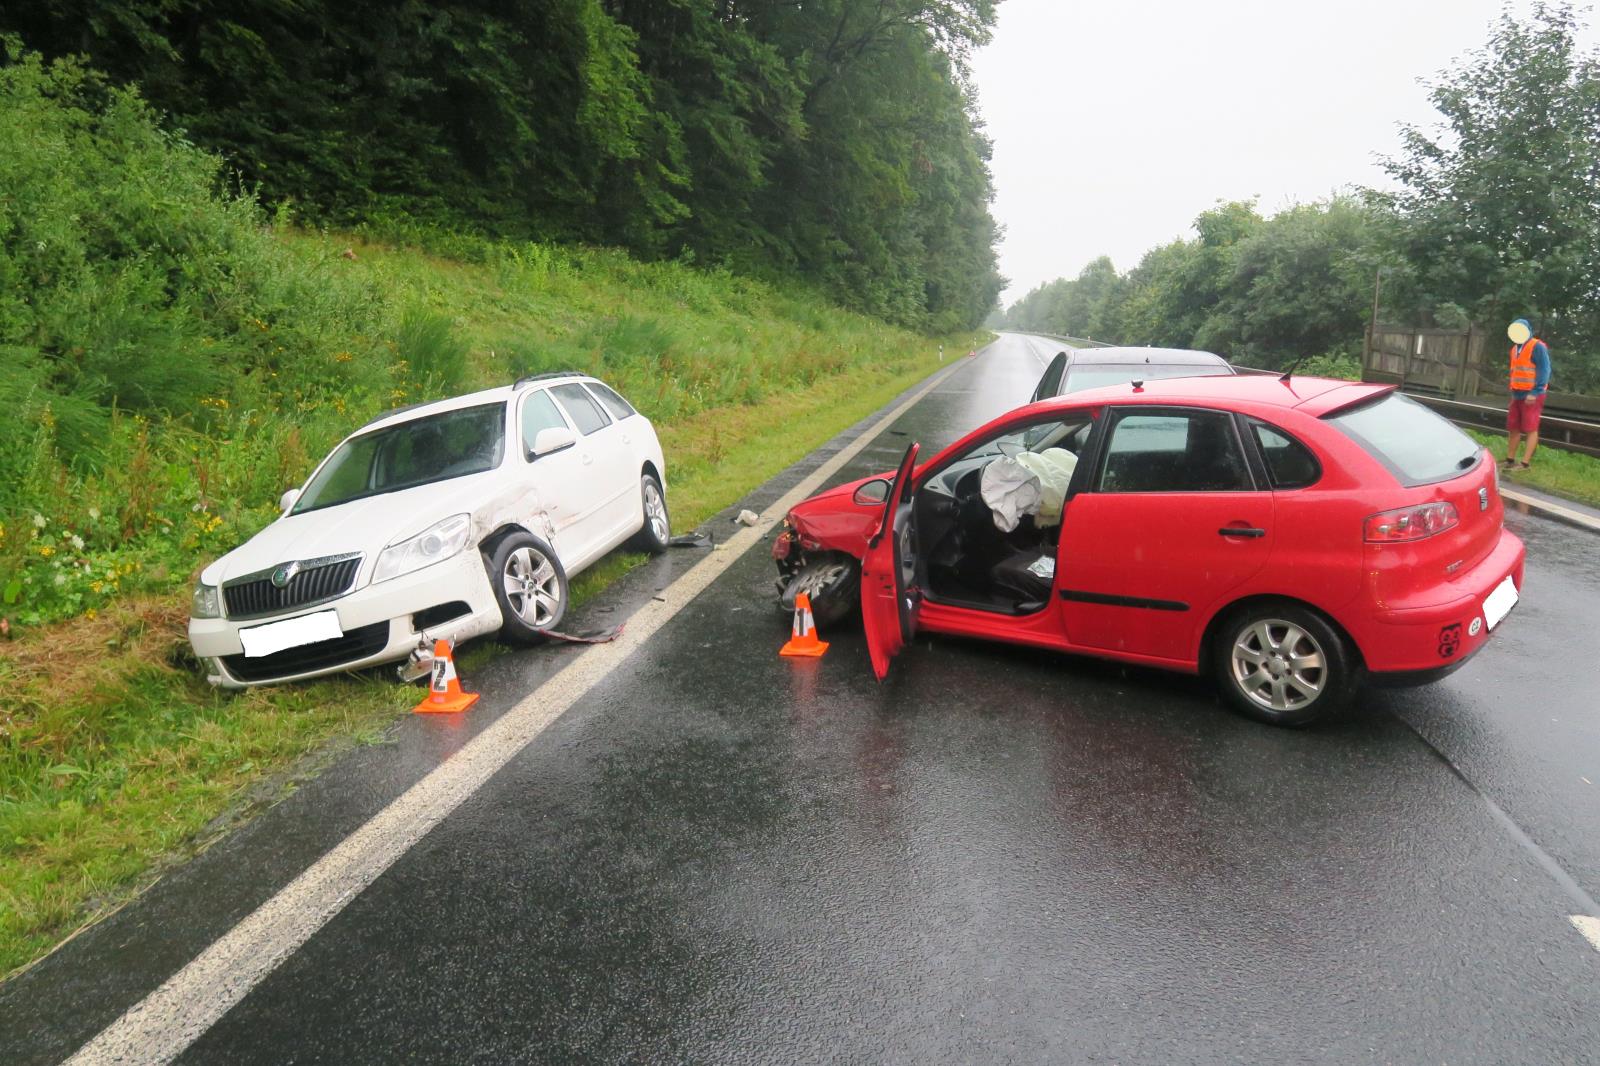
(697, 539)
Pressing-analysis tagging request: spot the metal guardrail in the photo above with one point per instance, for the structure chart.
(1555, 431)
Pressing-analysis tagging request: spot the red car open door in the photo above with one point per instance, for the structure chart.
(889, 601)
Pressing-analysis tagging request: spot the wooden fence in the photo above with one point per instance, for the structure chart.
(1463, 374)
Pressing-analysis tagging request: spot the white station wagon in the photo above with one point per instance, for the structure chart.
(444, 520)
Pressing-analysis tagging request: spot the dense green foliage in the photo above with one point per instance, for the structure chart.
(1498, 211)
(834, 141)
(1496, 216)
(173, 359)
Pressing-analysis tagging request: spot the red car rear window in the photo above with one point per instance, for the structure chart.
(1418, 446)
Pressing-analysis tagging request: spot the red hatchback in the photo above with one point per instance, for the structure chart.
(1291, 536)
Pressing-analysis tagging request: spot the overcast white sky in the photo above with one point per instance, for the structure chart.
(1116, 122)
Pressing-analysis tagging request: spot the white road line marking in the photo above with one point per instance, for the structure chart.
(1589, 927)
(158, 1028)
(1554, 508)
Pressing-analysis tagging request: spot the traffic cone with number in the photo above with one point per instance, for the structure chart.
(444, 688)
(804, 641)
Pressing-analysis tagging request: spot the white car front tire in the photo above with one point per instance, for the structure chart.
(530, 585)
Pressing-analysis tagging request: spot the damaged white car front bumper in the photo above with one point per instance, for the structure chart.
(372, 623)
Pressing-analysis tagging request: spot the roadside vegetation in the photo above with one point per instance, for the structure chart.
(1570, 474)
(175, 355)
(1492, 215)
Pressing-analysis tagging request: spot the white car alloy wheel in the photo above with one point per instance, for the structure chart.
(532, 587)
(656, 527)
(530, 584)
(655, 510)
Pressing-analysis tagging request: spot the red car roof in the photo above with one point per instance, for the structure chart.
(1315, 396)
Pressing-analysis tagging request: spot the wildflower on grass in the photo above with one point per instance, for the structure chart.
(94, 514)
(45, 551)
(77, 542)
(90, 614)
(61, 579)
(40, 521)
(94, 586)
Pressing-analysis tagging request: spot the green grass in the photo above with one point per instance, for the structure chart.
(1570, 474)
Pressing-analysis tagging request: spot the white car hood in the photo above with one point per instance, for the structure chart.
(366, 525)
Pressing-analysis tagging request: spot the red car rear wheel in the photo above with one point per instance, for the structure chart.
(1283, 664)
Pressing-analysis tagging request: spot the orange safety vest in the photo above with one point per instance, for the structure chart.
(1524, 375)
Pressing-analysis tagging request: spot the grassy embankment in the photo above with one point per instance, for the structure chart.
(1571, 474)
(173, 359)
(116, 757)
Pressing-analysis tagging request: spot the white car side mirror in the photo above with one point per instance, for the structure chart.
(553, 440)
(288, 500)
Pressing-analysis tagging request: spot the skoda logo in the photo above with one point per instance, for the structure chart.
(284, 574)
(1483, 499)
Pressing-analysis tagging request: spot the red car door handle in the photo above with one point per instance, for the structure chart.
(1241, 531)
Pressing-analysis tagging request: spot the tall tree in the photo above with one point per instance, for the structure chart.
(1499, 207)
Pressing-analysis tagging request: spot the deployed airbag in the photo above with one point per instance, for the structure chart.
(1011, 490)
(1031, 483)
(1053, 467)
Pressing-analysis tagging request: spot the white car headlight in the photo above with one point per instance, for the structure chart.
(435, 544)
(207, 602)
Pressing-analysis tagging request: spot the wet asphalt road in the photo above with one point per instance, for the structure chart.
(999, 855)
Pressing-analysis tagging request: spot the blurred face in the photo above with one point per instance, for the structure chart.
(1519, 333)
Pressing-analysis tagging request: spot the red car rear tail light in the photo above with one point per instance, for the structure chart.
(1411, 523)
(783, 544)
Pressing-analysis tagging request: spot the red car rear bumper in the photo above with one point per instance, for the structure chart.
(1421, 642)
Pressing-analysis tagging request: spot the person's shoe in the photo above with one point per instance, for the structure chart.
(1524, 466)
(1508, 462)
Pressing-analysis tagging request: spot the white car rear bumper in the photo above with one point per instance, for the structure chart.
(378, 622)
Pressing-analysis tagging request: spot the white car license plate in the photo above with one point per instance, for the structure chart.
(1499, 602)
(290, 633)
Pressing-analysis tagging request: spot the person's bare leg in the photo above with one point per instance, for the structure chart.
(1533, 442)
(1511, 445)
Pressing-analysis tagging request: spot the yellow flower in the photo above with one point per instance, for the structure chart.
(95, 586)
(45, 551)
(90, 614)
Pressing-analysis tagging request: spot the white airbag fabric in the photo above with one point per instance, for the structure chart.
(1011, 490)
(1032, 483)
(1054, 467)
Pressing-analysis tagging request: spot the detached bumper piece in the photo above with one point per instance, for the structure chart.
(354, 646)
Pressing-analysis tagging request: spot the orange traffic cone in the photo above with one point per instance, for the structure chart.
(444, 690)
(804, 642)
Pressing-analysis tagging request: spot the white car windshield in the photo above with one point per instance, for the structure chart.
(402, 456)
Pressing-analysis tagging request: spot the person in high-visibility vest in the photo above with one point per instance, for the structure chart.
(1530, 376)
